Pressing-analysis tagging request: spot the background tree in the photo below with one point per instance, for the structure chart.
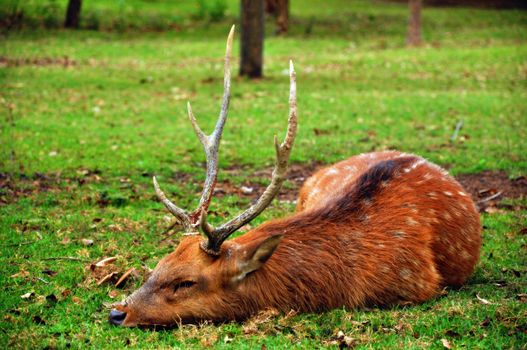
(280, 10)
(413, 37)
(73, 13)
(252, 37)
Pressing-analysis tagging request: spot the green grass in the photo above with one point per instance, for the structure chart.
(80, 144)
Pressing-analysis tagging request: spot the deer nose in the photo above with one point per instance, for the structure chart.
(117, 317)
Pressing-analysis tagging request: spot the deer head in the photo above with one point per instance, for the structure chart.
(203, 277)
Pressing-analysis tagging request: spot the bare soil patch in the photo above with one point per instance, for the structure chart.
(487, 183)
(481, 186)
(64, 61)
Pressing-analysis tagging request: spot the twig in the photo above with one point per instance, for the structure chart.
(65, 258)
(495, 195)
(42, 280)
(459, 125)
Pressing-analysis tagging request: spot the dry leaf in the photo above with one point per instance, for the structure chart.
(106, 278)
(87, 242)
(113, 293)
(124, 276)
(105, 261)
(227, 339)
(483, 301)
(446, 343)
(76, 300)
(246, 190)
(27, 295)
(21, 273)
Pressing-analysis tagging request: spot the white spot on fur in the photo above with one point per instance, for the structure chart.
(448, 193)
(416, 164)
(332, 171)
(461, 193)
(432, 194)
(405, 274)
(350, 168)
(384, 268)
(447, 216)
(314, 192)
(410, 221)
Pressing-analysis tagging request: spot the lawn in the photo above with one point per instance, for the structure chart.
(89, 116)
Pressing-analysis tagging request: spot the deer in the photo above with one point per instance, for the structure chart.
(378, 229)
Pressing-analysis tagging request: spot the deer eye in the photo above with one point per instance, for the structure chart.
(183, 285)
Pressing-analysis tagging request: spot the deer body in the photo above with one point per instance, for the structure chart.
(377, 229)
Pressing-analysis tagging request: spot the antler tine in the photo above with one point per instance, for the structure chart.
(211, 143)
(179, 213)
(216, 236)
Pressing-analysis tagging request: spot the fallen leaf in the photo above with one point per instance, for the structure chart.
(227, 339)
(493, 210)
(106, 278)
(246, 190)
(483, 301)
(21, 273)
(27, 295)
(87, 242)
(522, 297)
(487, 191)
(76, 300)
(105, 261)
(124, 277)
(446, 343)
(345, 341)
(113, 293)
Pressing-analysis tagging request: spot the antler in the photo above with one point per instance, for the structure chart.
(211, 144)
(216, 236)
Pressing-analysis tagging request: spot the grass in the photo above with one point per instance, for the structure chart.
(80, 140)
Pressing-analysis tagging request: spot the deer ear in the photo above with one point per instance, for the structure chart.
(254, 254)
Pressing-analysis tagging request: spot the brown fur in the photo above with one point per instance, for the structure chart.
(376, 229)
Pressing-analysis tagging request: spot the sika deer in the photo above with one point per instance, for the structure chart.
(376, 229)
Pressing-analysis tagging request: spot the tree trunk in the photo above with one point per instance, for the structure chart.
(280, 10)
(73, 13)
(252, 38)
(414, 23)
